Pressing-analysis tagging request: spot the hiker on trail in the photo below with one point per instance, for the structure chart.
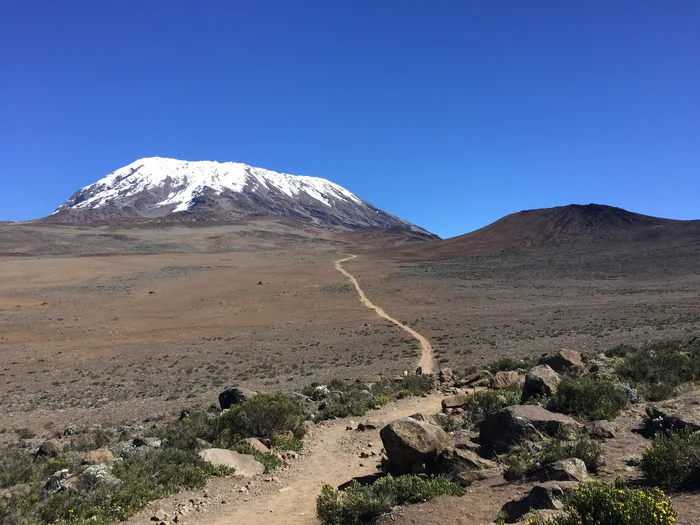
(419, 371)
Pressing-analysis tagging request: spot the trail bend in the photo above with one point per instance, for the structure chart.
(426, 357)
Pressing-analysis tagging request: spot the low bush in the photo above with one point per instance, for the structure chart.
(612, 503)
(144, 477)
(658, 369)
(356, 399)
(485, 403)
(272, 416)
(591, 398)
(447, 423)
(507, 363)
(264, 416)
(358, 505)
(526, 461)
(673, 461)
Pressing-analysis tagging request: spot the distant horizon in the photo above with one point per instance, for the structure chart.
(449, 116)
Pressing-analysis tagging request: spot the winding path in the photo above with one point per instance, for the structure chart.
(426, 358)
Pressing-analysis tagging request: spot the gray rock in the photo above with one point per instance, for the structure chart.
(57, 482)
(564, 361)
(456, 401)
(257, 445)
(520, 423)
(320, 393)
(462, 466)
(407, 442)
(601, 429)
(97, 477)
(572, 469)
(244, 465)
(445, 375)
(680, 413)
(235, 396)
(549, 495)
(540, 381)
(50, 448)
(504, 379)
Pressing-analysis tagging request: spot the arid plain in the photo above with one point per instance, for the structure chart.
(106, 325)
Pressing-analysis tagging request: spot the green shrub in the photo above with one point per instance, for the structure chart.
(356, 399)
(526, 462)
(263, 416)
(487, 402)
(359, 505)
(269, 460)
(145, 477)
(447, 423)
(591, 398)
(507, 363)
(18, 466)
(612, 503)
(658, 369)
(673, 461)
(584, 448)
(287, 443)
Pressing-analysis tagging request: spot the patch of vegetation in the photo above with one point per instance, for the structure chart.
(144, 477)
(448, 423)
(356, 399)
(507, 363)
(612, 503)
(271, 416)
(658, 369)
(269, 460)
(358, 505)
(673, 461)
(525, 462)
(486, 403)
(18, 466)
(591, 398)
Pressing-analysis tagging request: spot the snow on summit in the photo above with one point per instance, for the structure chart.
(157, 187)
(192, 178)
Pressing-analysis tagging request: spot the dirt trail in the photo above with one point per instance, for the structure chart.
(426, 358)
(333, 459)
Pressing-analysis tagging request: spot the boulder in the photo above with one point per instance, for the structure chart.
(572, 469)
(369, 424)
(408, 442)
(57, 482)
(601, 429)
(97, 477)
(462, 466)
(445, 375)
(549, 495)
(563, 361)
(234, 396)
(244, 465)
(101, 455)
(481, 378)
(505, 379)
(257, 445)
(50, 448)
(320, 393)
(680, 413)
(540, 381)
(456, 401)
(465, 439)
(516, 424)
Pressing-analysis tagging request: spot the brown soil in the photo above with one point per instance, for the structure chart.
(102, 325)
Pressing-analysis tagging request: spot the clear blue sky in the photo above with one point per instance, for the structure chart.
(448, 114)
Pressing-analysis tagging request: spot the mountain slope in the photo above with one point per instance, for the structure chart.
(564, 225)
(168, 188)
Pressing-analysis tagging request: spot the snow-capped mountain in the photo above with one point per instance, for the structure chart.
(159, 187)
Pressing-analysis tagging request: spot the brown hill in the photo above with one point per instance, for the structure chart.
(561, 226)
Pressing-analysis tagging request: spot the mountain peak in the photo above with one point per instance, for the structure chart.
(156, 187)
